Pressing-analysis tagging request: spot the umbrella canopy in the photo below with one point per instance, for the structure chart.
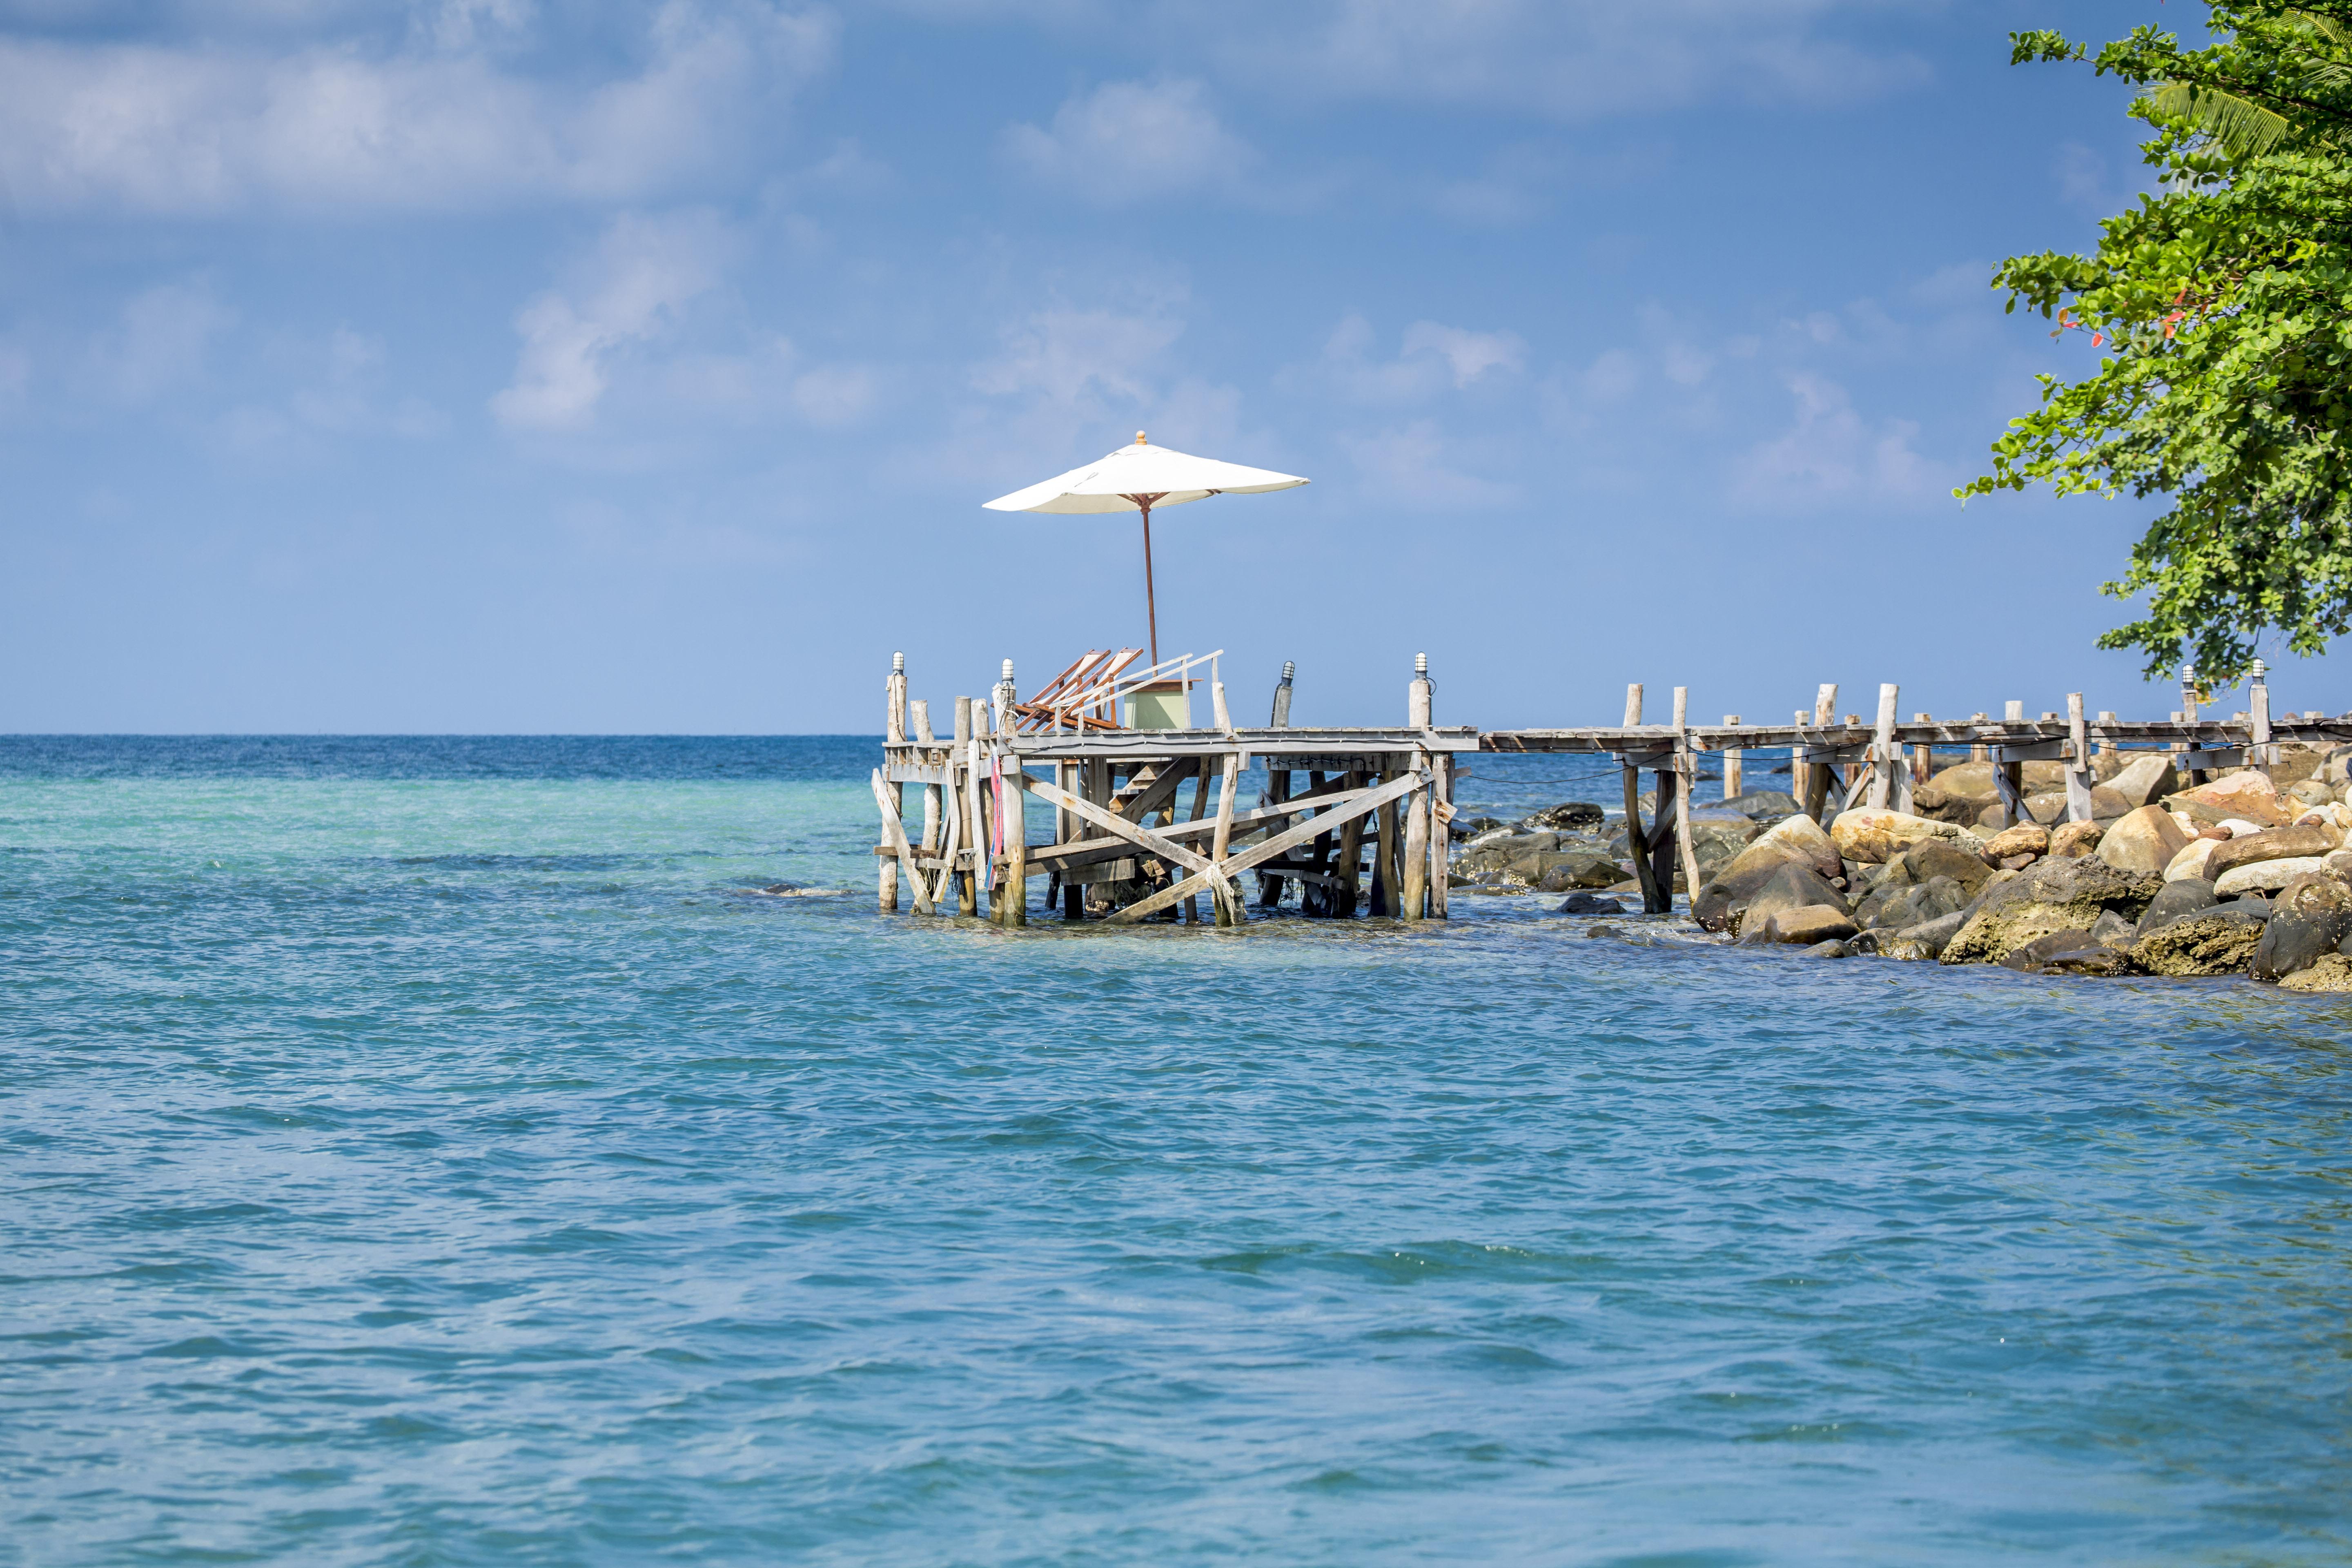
(1138, 479)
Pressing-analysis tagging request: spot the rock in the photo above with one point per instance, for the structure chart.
(2337, 767)
(2311, 915)
(1808, 924)
(2328, 972)
(2217, 941)
(2339, 865)
(2026, 839)
(1557, 873)
(2178, 897)
(2309, 792)
(1601, 930)
(2090, 960)
(2267, 876)
(2330, 818)
(1793, 885)
(2111, 930)
(1933, 857)
(1472, 827)
(1958, 794)
(2031, 957)
(2053, 896)
(2278, 844)
(1874, 836)
(2245, 794)
(2072, 840)
(1577, 814)
(1590, 904)
(1799, 840)
(1904, 905)
(2047, 809)
(2191, 860)
(1763, 803)
(1831, 949)
(2146, 780)
(2018, 862)
(2143, 840)
(1922, 942)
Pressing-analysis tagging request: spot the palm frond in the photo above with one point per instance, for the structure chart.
(2240, 125)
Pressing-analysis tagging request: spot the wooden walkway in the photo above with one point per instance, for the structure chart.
(1125, 847)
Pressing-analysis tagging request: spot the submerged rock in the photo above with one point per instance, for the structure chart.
(1922, 942)
(1578, 814)
(1590, 904)
(1807, 925)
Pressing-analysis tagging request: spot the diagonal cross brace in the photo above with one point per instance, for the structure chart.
(1281, 843)
(1087, 810)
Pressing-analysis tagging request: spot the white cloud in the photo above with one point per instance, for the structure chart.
(200, 130)
(1415, 466)
(1432, 358)
(1128, 141)
(159, 344)
(643, 271)
(1831, 453)
(1071, 357)
(1562, 59)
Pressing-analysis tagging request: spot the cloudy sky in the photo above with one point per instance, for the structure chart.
(501, 365)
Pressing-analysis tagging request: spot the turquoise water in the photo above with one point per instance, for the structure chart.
(427, 1153)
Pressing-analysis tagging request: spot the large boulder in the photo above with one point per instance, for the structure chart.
(2026, 839)
(2143, 840)
(1900, 907)
(2277, 844)
(2311, 915)
(1797, 841)
(2177, 897)
(1807, 925)
(1958, 794)
(1793, 885)
(1934, 857)
(1580, 816)
(2072, 840)
(1874, 836)
(2217, 941)
(2049, 896)
(1559, 873)
(2267, 876)
(2192, 859)
(2244, 794)
(2146, 780)
(2331, 818)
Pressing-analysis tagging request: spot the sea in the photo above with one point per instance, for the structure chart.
(438, 1151)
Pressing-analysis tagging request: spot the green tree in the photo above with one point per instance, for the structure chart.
(2224, 304)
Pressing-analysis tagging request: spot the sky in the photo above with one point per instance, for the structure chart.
(501, 366)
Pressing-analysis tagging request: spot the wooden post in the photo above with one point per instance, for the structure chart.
(1387, 855)
(1732, 782)
(894, 832)
(1230, 912)
(2011, 780)
(894, 692)
(1922, 755)
(2106, 748)
(1277, 784)
(1200, 810)
(1636, 840)
(2078, 763)
(1800, 772)
(1441, 833)
(1885, 756)
(966, 824)
(1979, 752)
(1350, 865)
(1685, 765)
(2258, 702)
(1814, 802)
(1415, 878)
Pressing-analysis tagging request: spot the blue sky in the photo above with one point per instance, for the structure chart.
(496, 365)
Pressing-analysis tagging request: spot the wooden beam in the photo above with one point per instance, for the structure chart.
(1280, 844)
(1166, 848)
(896, 832)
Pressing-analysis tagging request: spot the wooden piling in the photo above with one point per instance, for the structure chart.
(2078, 761)
(1277, 783)
(2258, 702)
(1685, 766)
(1350, 865)
(1636, 840)
(1885, 756)
(1733, 785)
(1230, 912)
(1441, 833)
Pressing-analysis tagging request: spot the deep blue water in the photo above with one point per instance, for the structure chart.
(428, 1151)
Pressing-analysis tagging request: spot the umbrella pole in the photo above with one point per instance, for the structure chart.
(1150, 606)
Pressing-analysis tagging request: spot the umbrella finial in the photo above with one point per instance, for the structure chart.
(1142, 439)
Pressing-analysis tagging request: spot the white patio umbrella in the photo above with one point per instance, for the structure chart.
(1138, 479)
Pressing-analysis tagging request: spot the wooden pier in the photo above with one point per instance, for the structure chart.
(1129, 843)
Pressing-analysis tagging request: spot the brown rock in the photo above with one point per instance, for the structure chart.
(2018, 862)
(2142, 840)
(2216, 941)
(1924, 862)
(2072, 840)
(2309, 917)
(2146, 780)
(1793, 886)
(2053, 896)
(2277, 844)
(2243, 793)
(2026, 839)
(1797, 841)
(1872, 837)
(2329, 972)
(1810, 924)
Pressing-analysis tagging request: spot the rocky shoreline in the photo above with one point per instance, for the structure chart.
(2245, 873)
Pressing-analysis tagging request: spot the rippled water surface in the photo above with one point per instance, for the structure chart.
(428, 1151)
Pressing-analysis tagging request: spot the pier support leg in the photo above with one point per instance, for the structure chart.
(1441, 835)
(1350, 865)
(1416, 848)
(2078, 766)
